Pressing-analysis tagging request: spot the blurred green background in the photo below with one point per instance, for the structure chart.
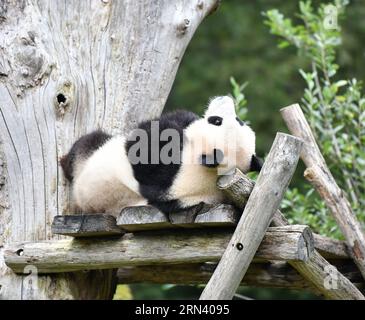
(235, 42)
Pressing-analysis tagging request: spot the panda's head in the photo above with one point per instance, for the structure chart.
(227, 141)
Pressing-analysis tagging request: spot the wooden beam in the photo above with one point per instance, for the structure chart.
(267, 274)
(332, 284)
(261, 206)
(316, 270)
(321, 178)
(330, 248)
(86, 225)
(152, 247)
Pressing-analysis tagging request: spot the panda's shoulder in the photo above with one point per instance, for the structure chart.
(181, 118)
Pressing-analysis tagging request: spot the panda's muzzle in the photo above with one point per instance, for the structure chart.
(212, 160)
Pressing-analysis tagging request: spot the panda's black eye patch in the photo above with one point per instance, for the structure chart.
(215, 120)
(240, 121)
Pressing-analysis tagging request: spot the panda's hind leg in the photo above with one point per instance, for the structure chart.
(82, 149)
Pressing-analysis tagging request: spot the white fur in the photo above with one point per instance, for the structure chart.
(195, 183)
(105, 182)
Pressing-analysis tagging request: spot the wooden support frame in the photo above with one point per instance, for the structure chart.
(317, 269)
(320, 177)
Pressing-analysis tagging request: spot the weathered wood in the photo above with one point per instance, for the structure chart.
(262, 204)
(320, 176)
(223, 215)
(333, 284)
(141, 218)
(268, 274)
(144, 218)
(186, 218)
(67, 69)
(329, 247)
(271, 275)
(86, 225)
(237, 187)
(152, 247)
(231, 186)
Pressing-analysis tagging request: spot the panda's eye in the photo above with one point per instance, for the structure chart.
(215, 120)
(240, 121)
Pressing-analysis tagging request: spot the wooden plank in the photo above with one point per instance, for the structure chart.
(222, 215)
(319, 175)
(267, 274)
(90, 225)
(261, 206)
(141, 218)
(152, 247)
(332, 248)
(185, 219)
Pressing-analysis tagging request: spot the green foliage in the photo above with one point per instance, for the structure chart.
(334, 107)
(123, 292)
(239, 98)
(307, 208)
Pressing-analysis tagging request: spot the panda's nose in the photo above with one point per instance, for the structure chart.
(212, 160)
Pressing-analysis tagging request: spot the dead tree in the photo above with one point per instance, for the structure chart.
(66, 69)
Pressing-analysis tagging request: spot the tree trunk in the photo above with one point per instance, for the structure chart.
(66, 69)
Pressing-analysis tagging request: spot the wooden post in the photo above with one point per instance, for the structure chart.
(260, 208)
(317, 269)
(321, 178)
(67, 68)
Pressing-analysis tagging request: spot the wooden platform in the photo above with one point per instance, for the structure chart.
(142, 218)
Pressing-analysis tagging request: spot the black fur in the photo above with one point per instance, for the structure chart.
(256, 164)
(83, 147)
(215, 120)
(212, 161)
(155, 179)
(240, 121)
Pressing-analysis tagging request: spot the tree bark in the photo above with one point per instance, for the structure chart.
(66, 69)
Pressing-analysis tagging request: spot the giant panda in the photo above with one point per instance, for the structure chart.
(106, 179)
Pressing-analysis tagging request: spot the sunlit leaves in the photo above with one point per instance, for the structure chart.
(333, 107)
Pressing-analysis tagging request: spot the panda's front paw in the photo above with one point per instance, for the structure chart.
(212, 160)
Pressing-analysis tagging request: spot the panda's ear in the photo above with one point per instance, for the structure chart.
(256, 164)
(221, 106)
